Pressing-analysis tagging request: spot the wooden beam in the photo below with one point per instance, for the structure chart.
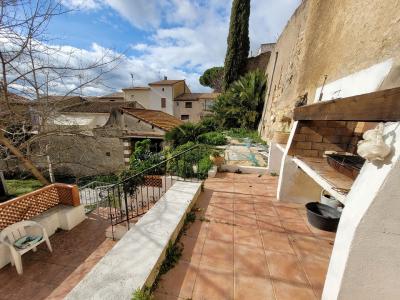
(377, 106)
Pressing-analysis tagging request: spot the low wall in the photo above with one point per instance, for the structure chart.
(30, 205)
(135, 260)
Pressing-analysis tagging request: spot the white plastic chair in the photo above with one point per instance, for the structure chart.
(16, 231)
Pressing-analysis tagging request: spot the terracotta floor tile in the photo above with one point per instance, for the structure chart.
(192, 249)
(247, 236)
(244, 207)
(276, 241)
(245, 219)
(180, 281)
(262, 189)
(268, 223)
(221, 200)
(249, 261)
(161, 296)
(287, 291)
(296, 227)
(218, 212)
(213, 284)
(316, 269)
(197, 229)
(286, 212)
(264, 199)
(250, 287)
(265, 209)
(308, 245)
(218, 255)
(285, 267)
(220, 232)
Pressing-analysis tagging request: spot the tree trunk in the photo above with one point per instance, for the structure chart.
(27, 162)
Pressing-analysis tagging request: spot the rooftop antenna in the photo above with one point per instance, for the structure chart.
(132, 79)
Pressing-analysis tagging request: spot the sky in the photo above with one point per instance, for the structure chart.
(155, 38)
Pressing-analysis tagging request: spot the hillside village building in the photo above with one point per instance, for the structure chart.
(172, 97)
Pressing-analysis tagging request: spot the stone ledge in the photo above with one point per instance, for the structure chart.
(134, 261)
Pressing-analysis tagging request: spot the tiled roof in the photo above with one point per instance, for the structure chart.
(155, 117)
(113, 95)
(60, 102)
(137, 88)
(196, 96)
(165, 82)
(94, 107)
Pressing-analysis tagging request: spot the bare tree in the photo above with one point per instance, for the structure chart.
(33, 66)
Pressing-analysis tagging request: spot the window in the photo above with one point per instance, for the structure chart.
(163, 103)
(188, 104)
(184, 117)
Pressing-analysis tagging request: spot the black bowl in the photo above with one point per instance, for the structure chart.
(323, 216)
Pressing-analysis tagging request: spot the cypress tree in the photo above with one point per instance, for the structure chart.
(238, 42)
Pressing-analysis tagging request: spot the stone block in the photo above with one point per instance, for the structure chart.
(299, 137)
(332, 139)
(316, 138)
(303, 145)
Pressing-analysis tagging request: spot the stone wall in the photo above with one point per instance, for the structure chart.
(333, 38)
(259, 62)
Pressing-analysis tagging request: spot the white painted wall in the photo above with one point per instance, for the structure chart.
(365, 262)
(362, 82)
(294, 185)
(140, 96)
(276, 152)
(157, 93)
(89, 120)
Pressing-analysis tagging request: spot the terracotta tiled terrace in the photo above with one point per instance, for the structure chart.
(246, 245)
(53, 275)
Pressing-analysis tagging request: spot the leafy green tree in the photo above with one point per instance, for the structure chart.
(213, 78)
(238, 42)
(241, 106)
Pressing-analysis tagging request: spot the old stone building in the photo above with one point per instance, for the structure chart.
(329, 50)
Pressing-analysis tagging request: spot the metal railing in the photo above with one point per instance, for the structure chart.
(92, 195)
(134, 196)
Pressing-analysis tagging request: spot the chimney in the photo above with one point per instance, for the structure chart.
(165, 77)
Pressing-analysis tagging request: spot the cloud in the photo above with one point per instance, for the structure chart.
(184, 37)
(82, 4)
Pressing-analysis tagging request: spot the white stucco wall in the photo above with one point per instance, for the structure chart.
(365, 262)
(157, 93)
(90, 121)
(365, 81)
(140, 96)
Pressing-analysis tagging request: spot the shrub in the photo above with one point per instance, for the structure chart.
(187, 132)
(213, 138)
(210, 123)
(205, 164)
(144, 294)
(184, 165)
(241, 133)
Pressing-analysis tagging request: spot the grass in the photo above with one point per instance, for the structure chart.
(18, 187)
(144, 294)
(241, 133)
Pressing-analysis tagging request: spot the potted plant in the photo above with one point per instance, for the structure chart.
(217, 159)
(281, 136)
